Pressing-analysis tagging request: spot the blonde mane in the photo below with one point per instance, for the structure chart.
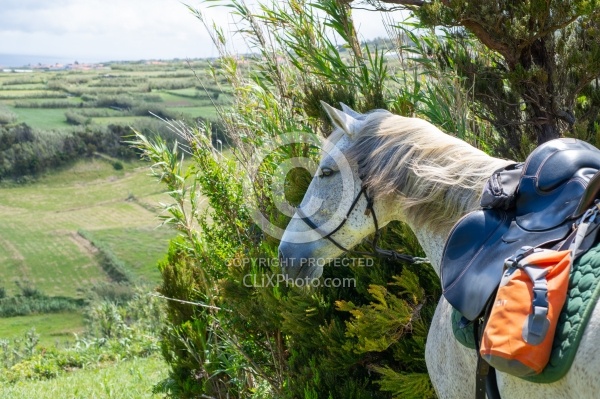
(439, 176)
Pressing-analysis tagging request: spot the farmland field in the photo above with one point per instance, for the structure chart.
(53, 328)
(56, 225)
(41, 98)
(39, 233)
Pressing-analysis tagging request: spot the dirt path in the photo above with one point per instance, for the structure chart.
(83, 244)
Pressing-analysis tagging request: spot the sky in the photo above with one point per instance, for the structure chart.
(106, 30)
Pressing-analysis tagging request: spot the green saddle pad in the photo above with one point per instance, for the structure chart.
(584, 289)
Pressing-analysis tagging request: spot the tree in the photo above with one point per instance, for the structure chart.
(537, 66)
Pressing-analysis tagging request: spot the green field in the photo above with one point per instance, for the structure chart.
(130, 379)
(59, 227)
(131, 245)
(39, 235)
(54, 328)
(42, 118)
(174, 87)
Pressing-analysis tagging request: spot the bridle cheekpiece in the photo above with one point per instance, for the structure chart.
(369, 210)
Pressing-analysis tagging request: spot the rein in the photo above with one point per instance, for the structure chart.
(376, 251)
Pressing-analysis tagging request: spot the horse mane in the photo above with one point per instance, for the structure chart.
(439, 176)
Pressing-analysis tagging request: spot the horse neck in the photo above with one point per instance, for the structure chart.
(432, 240)
(433, 236)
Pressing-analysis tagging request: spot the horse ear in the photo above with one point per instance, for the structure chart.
(342, 120)
(350, 111)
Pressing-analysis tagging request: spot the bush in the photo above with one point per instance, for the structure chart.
(7, 116)
(75, 118)
(27, 289)
(32, 301)
(152, 98)
(148, 109)
(173, 84)
(120, 102)
(114, 331)
(44, 104)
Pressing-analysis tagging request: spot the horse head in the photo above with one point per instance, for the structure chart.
(375, 168)
(338, 210)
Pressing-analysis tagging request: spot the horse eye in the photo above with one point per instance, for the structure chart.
(326, 172)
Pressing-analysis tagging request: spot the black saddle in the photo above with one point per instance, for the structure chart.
(555, 185)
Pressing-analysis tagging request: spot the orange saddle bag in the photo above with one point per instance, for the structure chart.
(517, 338)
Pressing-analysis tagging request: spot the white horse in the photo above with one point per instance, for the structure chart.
(428, 179)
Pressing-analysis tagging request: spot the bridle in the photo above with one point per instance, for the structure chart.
(376, 252)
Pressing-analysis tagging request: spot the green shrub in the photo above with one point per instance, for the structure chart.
(173, 84)
(75, 118)
(41, 94)
(114, 331)
(27, 289)
(6, 115)
(44, 104)
(147, 109)
(121, 102)
(32, 301)
(121, 81)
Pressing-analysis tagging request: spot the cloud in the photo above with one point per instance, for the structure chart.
(10, 5)
(113, 28)
(89, 16)
(120, 29)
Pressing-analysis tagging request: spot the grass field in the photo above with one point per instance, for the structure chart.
(38, 236)
(130, 379)
(174, 84)
(41, 239)
(54, 329)
(130, 245)
(42, 118)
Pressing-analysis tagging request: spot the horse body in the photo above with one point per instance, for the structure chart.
(451, 366)
(423, 177)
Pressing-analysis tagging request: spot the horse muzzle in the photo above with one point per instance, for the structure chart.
(297, 262)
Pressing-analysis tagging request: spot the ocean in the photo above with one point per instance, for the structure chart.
(19, 60)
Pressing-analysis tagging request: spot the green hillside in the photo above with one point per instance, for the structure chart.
(77, 207)
(40, 235)
(81, 234)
